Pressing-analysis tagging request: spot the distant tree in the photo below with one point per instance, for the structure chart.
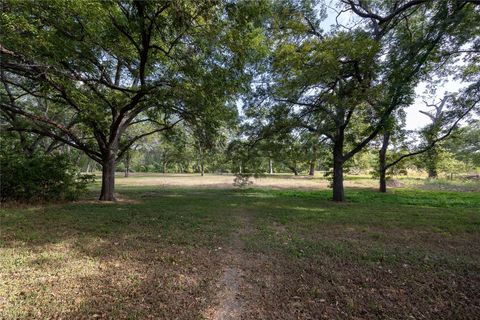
(431, 133)
(447, 115)
(464, 144)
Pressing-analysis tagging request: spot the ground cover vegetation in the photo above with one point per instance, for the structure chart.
(215, 135)
(158, 253)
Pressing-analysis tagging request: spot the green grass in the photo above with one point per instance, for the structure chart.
(377, 222)
(92, 258)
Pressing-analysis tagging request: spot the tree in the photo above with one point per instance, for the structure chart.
(392, 132)
(430, 134)
(464, 144)
(82, 73)
(447, 115)
(345, 84)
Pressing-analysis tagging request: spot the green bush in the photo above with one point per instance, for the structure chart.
(39, 177)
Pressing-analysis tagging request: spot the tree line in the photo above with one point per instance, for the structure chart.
(115, 80)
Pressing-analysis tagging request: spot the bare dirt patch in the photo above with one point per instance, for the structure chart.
(229, 302)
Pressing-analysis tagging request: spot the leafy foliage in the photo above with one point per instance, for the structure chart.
(39, 177)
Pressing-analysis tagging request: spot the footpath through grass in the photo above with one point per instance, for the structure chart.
(159, 254)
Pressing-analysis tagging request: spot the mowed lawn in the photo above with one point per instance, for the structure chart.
(193, 253)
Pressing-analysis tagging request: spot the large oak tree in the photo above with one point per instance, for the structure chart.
(86, 72)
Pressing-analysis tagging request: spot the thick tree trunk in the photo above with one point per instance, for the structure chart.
(270, 166)
(311, 171)
(383, 181)
(382, 169)
(338, 192)
(338, 161)
(108, 180)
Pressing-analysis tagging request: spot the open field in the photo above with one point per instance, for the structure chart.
(187, 247)
(285, 181)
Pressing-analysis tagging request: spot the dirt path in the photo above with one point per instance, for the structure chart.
(228, 303)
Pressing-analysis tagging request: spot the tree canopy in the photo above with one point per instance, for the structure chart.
(101, 76)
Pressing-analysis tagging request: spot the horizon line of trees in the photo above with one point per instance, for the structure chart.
(115, 80)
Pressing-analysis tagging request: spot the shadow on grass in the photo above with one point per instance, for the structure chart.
(159, 255)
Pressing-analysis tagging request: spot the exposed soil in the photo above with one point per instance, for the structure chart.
(229, 303)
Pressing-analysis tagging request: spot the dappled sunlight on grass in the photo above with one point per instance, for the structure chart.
(158, 253)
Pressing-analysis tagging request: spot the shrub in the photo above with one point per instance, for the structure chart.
(39, 177)
(242, 180)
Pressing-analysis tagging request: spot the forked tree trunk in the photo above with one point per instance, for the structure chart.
(108, 180)
(382, 160)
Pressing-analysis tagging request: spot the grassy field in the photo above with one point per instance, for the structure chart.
(205, 250)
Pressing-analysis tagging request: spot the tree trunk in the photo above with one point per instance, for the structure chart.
(432, 159)
(337, 184)
(383, 181)
(127, 164)
(382, 169)
(270, 166)
(202, 169)
(108, 180)
(432, 173)
(338, 192)
(311, 172)
(294, 170)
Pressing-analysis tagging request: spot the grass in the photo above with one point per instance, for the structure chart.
(159, 253)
